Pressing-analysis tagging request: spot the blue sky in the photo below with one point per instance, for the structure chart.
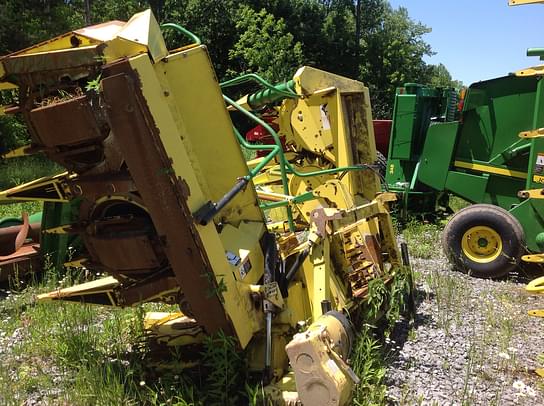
(479, 39)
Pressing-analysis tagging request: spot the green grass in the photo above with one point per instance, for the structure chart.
(16, 171)
(24, 169)
(70, 353)
(15, 209)
(457, 203)
(75, 354)
(423, 238)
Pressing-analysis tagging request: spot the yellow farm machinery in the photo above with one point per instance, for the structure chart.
(277, 251)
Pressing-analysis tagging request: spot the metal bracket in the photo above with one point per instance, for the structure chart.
(521, 2)
(538, 133)
(536, 313)
(536, 286)
(531, 194)
(271, 293)
(48, 189)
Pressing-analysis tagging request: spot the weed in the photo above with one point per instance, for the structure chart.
(224, 363)
(399, 289)
(94, 85)
(412, 334)
(456, 203)
(451, 294)
(422, 238)
(468, 392)
(24, 169)
(368, 362)
(377, 296)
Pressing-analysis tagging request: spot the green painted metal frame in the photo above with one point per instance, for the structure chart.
(480, 157)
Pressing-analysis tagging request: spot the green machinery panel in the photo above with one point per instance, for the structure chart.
(416, 108)
(57, 246)
(437, 153)
(479, 157)
(494, 113)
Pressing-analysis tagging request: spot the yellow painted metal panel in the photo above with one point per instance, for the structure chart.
(206, 130)
(6, 86)
(244, 242)
(311, 80)
(172, 127)
(531, 71)
(101, 32)
(320, 258)
(143, 29)
(120, 47)
(64, 41)
(102, 285)
(490, 169)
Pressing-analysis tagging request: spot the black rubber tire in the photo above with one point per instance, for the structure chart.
(381, 161)
(496, 218)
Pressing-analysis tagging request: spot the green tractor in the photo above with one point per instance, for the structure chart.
(484, 146)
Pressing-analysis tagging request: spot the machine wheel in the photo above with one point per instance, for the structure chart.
(484, 241)
(381, 161)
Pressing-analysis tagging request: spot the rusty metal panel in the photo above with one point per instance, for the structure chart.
(123, 254)
(68, 122)
(77, 60)
(361, 137)
(25, 260)
(135, 129)
(144, 293)
(8, 237)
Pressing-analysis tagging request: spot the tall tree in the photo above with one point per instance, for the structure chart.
(392, 54)
(440, 76)
(264, 46)
(214, 21)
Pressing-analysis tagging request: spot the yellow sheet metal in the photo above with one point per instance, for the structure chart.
(52, 188)
(536, 286)
(104, 285)
(521, 2)
(536, 313)
(490, 169)
(143, 29)
(199, 149)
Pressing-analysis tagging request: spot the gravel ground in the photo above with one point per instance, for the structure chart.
(472, 343)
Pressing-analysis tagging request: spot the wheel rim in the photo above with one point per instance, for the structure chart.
(481, 244)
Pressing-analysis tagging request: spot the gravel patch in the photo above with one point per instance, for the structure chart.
(472, 342)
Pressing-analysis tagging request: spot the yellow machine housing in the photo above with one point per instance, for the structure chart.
(169, 209)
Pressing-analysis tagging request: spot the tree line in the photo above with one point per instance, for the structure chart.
(368, 40)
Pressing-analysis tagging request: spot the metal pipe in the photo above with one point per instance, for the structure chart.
(207, 212)
(268, 348)
(7, 233)
(411, 294)
(270, 261)
(296, 266)
(184, 31)
(326, 306)
(267, 96)
(279, 153)
(535, 51)
(287, 91)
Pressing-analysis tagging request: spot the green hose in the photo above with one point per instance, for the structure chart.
(184, 31)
